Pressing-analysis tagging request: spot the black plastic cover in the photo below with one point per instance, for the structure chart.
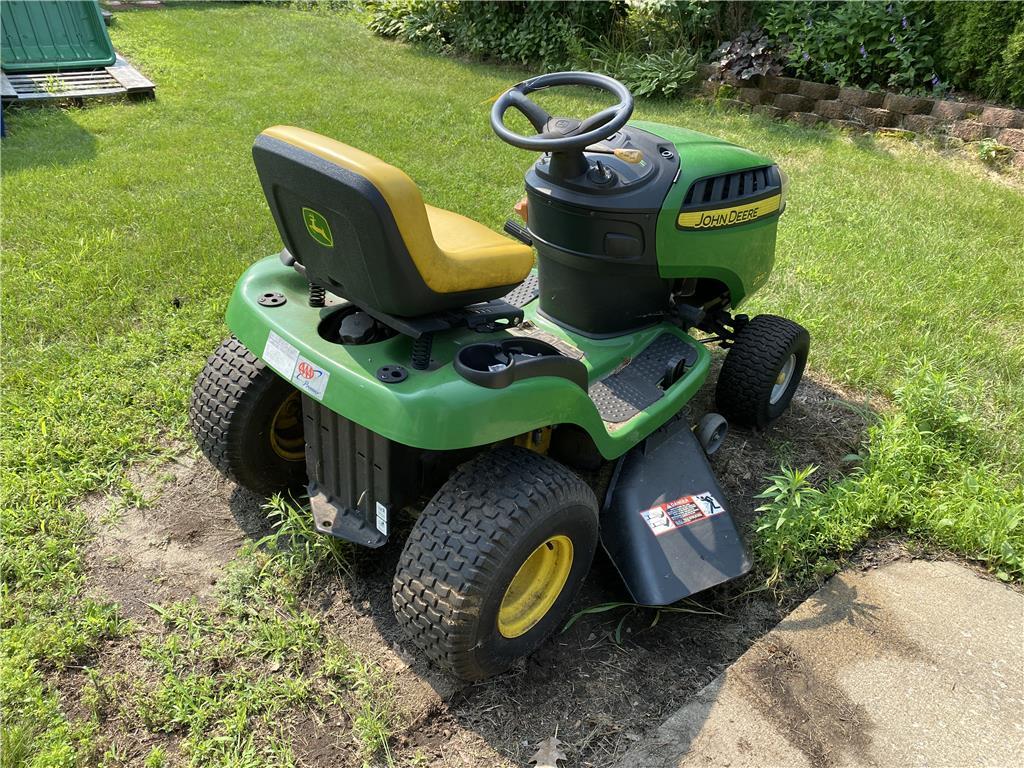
(357, 477)
(597, 242)
(665, 524)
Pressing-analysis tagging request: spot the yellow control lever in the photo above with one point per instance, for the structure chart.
(632, 156)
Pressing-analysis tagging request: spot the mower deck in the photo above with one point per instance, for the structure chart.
(623, 405)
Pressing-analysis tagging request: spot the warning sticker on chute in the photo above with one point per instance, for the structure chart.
(684, 511)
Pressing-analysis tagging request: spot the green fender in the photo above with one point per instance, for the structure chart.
(437, 409)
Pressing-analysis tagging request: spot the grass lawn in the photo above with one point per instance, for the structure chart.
(125, 226)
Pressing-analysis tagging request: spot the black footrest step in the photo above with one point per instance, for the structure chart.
(622, 395)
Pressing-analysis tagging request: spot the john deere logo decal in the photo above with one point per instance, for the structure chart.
(317, 227)
(729, 217)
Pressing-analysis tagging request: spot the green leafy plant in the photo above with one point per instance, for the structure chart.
(662, 74)
(53, 85)
(923, 472)
(322, 6)
(790, 516)
(868, 44)
(665, 25)
(982, 48)
(296, 543)
(543, 32)
(683, 606)
(993, 153)
(413, 21)
(157, 758)
(654, 46)
(647, 74)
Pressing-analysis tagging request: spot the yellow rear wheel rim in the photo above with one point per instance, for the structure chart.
(535, 587)
(286, 436)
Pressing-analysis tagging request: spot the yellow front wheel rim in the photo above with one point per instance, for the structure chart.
(535, 587)
(286, 436)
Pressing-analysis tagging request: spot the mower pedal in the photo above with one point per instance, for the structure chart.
(622, 395)
(665, 524)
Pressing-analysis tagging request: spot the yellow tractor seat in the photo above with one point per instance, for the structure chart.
(360, 229)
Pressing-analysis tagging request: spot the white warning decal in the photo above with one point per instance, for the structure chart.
(382, 518)
(280, 355)
(683, 511)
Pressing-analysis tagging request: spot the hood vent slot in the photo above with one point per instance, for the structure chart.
(740, 186)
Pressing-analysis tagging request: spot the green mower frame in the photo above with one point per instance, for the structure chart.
(394, 352)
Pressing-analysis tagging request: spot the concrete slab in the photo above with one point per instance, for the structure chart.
(911, 664)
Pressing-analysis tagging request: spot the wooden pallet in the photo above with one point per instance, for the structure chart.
(33, 87)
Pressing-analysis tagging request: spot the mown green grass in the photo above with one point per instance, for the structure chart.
(125, 225)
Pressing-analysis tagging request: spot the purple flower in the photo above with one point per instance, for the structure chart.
(904, 23)
(892, 38)
(935, 81)
(806, 56)
(810, 22)
(863, 52)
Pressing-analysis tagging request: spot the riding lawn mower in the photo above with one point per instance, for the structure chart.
(394, 352)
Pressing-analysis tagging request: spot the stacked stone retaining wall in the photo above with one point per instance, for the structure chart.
(810, 103)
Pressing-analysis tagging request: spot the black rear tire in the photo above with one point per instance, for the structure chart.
(765, 349)
(248, 421)
(469, 545)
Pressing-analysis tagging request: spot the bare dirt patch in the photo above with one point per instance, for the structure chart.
(176, 545)
(599, 694)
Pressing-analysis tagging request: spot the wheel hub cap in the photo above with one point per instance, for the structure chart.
(783, 379)
(535, 587)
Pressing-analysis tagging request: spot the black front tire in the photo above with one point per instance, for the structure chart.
(763, 351)
(471, 542)
(248, 421)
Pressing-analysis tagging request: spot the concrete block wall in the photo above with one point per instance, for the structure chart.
(810, 103)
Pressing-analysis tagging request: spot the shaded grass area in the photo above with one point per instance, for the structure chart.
(125, 226)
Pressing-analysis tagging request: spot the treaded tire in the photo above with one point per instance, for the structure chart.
(751, 367)
(470, 542)
(234, 402)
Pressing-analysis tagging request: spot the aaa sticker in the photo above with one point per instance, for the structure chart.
(310, 377)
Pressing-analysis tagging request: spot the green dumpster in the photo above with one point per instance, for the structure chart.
(56, 35)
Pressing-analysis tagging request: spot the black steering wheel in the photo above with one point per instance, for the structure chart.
(561, 134)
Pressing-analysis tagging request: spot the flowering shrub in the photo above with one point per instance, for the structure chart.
(868, 44)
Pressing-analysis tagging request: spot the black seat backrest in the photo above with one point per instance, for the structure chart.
(337, 224)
